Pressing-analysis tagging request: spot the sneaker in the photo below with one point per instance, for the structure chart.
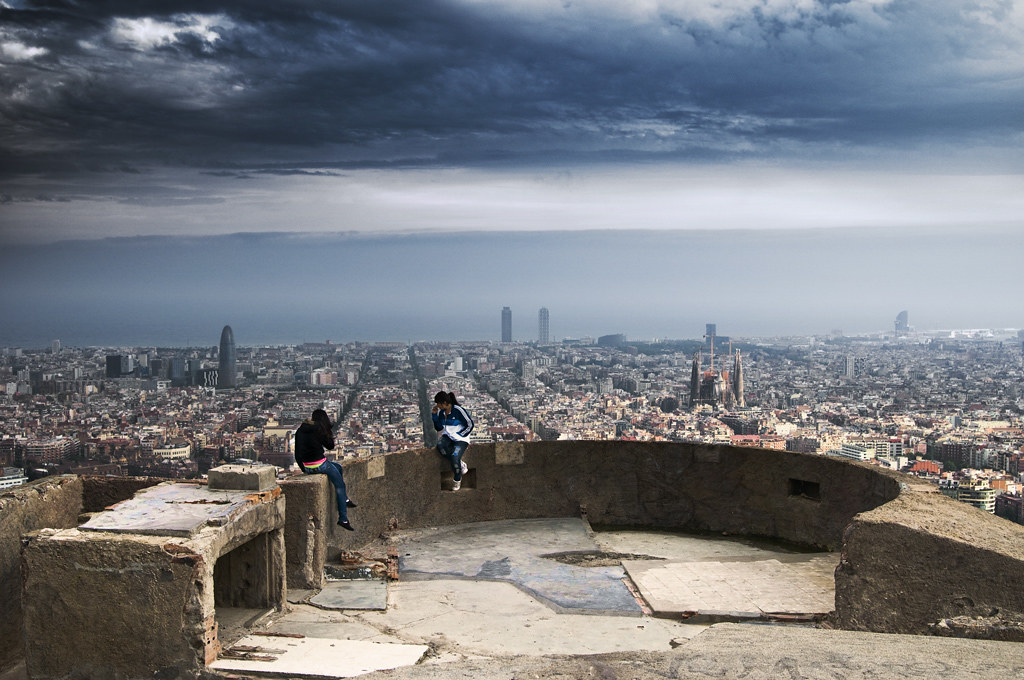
(457, 485)
(346, 525)
(350, 504)
(465, 469)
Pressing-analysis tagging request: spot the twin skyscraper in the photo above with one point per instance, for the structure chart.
(543, 335)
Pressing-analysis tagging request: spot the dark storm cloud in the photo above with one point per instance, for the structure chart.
(104, 86)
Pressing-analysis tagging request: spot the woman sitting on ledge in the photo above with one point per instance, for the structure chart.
(311, 439)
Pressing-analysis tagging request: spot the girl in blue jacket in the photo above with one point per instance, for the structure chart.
(454, 423)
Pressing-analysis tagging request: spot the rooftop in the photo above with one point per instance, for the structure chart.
(585, 559)
(551, 596)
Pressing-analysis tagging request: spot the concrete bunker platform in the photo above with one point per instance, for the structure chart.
(146, 584)
(902, 550)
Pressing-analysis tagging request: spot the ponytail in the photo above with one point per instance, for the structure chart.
(443, 397)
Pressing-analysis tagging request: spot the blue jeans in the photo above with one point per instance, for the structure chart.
(452, 450)
(333, 471)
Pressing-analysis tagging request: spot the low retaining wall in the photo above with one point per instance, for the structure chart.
(53, 502)
(797, 497)
(924, 558)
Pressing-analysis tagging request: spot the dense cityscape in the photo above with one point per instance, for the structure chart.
(944, 405)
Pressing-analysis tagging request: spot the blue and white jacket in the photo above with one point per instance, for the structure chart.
(457, 424)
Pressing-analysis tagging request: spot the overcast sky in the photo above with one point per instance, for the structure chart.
(772, 165)
(134, 117)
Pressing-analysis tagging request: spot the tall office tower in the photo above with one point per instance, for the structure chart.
(113, 366)
(226, 374)
(506, 324)
(55, 347)
(710, 330)
(850, 366)
(902, 325)
(542, 326)
(737, 381)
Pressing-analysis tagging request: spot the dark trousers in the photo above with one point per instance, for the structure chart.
(453, 451)
(333, 471)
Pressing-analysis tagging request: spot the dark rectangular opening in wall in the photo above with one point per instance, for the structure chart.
(244, 586)
(805, 489)
(468, 479)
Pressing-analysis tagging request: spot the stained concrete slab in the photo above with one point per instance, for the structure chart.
(352, 594)
(170, 510)
(300, 595)
(516, 552)
(742, 588)
(314, 657)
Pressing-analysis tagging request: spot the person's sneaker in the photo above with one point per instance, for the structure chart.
(346, 525)
(456, 485)
(465, 469)
(350, 504)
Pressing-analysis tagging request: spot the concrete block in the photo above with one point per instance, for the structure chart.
(243, 477)
(375, 467)
(305, 532)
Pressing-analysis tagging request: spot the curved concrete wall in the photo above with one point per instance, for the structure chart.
(925, 558)
(910, 556)
(797, 497)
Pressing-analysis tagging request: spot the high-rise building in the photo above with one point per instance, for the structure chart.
(542, 326)
(178, 370)
(902, 324)
(119, 365)
(55, 347)
(226, 373)
(506, 324)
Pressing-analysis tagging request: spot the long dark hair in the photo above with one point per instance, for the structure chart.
(443, 397)
(322, 423)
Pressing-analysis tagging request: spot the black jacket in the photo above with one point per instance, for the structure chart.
(310, 443)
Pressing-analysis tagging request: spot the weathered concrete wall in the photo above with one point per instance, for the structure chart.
(102, 632)
(679, 486)
(923, 558)
(305, 530)
(99, 493)
(110, 605)
(50, 502)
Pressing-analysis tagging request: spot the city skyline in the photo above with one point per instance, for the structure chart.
(272, 290)
(133, 290)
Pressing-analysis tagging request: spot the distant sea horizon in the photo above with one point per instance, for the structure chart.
(285, 289)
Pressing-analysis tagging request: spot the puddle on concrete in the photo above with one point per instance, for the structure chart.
(595, 558)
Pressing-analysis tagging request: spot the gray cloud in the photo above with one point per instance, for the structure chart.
(131, 117)
(315, 84)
